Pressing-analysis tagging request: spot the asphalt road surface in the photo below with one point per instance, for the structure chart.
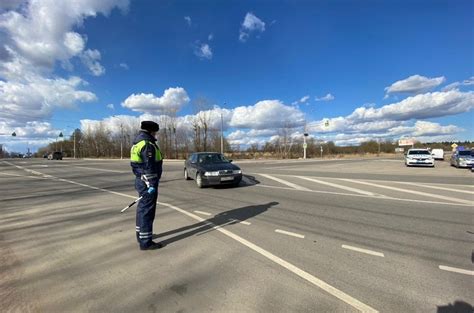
(296, 236)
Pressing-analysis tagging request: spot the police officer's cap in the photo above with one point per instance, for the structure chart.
(150, 126)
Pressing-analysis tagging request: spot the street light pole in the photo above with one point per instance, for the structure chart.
(304, 145)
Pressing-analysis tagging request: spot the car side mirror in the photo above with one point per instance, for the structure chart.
(230, 161)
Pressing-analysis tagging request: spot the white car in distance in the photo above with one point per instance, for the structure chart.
(419, 157)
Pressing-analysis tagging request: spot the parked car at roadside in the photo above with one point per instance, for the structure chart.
(462, 158)
(211, 168)
(419, 157)
(438, 154)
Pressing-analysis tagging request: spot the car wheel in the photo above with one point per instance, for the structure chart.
(186, 176)
(199, 180)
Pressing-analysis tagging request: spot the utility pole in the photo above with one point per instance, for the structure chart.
(222, 133)
(121, 141)
(74, 136)
(175, 143)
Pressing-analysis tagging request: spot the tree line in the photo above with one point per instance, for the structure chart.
(176, 143)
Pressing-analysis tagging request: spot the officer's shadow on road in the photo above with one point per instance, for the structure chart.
(220, 220)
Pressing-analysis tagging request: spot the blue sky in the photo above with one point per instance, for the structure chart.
(405, 67)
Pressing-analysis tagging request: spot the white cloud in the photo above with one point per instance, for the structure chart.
(422, 106)
(188, 20)
(210, 37)
(425, 128)
(304, 99)
(414, 85)
(171, 100)
(91, 58)
(111, 106)
(327, 97)
(29, 135)
(35, 39)
(267, 114)
(393, 120)
(251, 24)
(423, 131)
(203, 51)
(455, 85)
(124, 66)
(43, 32)
(37, 97)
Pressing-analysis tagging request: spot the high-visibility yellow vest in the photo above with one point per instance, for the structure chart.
(135, 152)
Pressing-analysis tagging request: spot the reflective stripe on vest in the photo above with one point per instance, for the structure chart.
(135, 152)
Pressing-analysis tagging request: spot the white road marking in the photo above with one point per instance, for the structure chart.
(380, 254)
(410, 191)
(284, 182)
(434, 187)
(240, 222)
(101, 170)
(363, 192)
(290, 267)
(364, 196)
(456, 270)
(202, 213)
(25, 176)
(289, 233)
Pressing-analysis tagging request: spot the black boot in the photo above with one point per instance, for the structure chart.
(152, 246)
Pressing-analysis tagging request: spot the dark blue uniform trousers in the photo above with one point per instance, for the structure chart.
(145, 213)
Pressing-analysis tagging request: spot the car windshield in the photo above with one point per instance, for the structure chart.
(422, 152)
(212, 158)
(465, 152)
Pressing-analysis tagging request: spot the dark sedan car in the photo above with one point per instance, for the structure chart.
(211, 168)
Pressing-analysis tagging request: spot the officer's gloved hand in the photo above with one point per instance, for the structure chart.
(151, 190)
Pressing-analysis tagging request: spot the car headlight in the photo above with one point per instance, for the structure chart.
(462, 159)
(237, 172)
(211, 173)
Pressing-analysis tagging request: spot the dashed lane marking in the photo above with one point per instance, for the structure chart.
(101, 169)
(289, 233)
(284, 182)
(366, 251)
(456, 270)
(202, 213)
(410, 191)
(277, 260)
(24, 176)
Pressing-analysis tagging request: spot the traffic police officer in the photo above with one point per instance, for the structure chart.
(147, 165)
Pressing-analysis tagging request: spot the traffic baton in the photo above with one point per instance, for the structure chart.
(131, 204)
